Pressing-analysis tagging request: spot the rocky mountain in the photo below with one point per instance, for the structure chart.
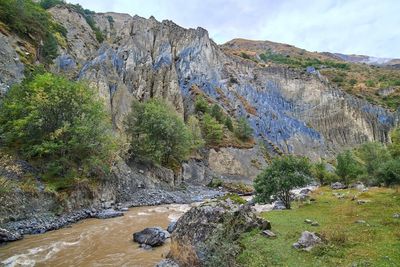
(291, 110)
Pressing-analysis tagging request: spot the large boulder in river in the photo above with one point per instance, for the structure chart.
(200, 231)
(7, 236)
(153, 236)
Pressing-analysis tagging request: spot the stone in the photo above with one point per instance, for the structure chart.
(167, 263)
(269, 233)
(337, 186)
(307, 241)
(108, 213)
(146, 247)
(308, 221)
(200, 224)
(361, 221)
(171, 227)
(278, 205)
(305, 191)
(7, 236)
(314, 224)
(363, 201)
(396, 215)
(153, 236)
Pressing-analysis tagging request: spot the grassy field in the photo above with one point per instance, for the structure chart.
(346, 243)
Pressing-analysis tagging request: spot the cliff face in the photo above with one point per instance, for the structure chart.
(290, 111)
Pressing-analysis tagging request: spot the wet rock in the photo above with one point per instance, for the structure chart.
(307, 241)
(108, 213)
(154, 236)
(171, 227)
(167, 263)
(337, 186)
(269, 233)
(146, 247)
(190, 242)
(7, 236)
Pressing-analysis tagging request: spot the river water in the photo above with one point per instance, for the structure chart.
(94, 242)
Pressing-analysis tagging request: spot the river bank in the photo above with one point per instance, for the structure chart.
(47, 221)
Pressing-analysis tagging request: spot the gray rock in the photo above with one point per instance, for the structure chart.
(269, 233)
(154, 236)
(108, 213)
(167, 263)
(278, 205)
(396, 215)
(337, 186)
(7, 236)
(307, 241)
(363, 201)
(308, 221)
(171, 227)
(361, 221)
(314, 224)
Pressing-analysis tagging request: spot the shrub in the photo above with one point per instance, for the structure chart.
(348, 168)
(157, 133)
(46, 4)
(228, 123)
(212, 130)
(243, 130)
(389, 172)
(216, 112)
(60, 123)
(320, 173)
(215, 182)
(284, 174)
(201, 104)
(194, 127)
(394, 147)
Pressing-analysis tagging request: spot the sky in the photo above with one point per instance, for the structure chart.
(366, 27)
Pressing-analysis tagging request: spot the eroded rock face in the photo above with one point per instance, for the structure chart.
(290, 112)
(194, 231)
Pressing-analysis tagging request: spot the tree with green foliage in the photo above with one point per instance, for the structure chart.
(157, 133)
(348, 168)
(58, 123)
(212, 130)
(394, 146)
(278, 179)
(389, 172)
(243, 130)
(216, 112)
(319, 172)
(194, 127)
(201, 104)
(228, 123)
(46, 4)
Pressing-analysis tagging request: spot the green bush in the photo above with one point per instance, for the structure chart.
(216, 112)
(201, 104)
(243, 130)
(59, 123)
(157, 133)
(46, 4)
(284, 174)
(194, 127)
(212, 130)
(228, 123)
(348, 168)
(389, 172)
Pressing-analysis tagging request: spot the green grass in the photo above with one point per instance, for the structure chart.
(376, 243)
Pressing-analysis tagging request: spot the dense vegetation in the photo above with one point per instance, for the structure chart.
(30, 21)
(278, 179)
(59, 125)
(158, 134)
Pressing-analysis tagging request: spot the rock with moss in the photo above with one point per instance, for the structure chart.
(208, 234)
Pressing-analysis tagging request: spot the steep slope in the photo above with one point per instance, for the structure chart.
(291, 111)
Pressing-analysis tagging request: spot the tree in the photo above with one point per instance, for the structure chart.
(319, 171)
(59, 123)
(194, 127)
(212, 130)
(228, 123)
(389, 172)
(243, 130)
(216, 112)
(284, 174)
(201, 104)
(157, 133)
(394, 147)
(348, 168)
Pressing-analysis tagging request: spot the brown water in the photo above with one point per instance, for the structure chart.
(94, 242)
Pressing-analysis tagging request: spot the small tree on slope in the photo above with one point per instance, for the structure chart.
(284, 174)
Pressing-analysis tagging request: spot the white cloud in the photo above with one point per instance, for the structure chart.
(346, 26)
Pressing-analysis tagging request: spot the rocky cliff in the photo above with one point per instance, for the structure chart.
(290, 111)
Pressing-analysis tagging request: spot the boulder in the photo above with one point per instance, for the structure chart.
(191, 242)
(167, 263)
(314, 224)
(396, 215)
(307, 241)
(278, 205)
(337, 186)
(153, 236)
(171, 227)
(308, 221)
(7, 236)
(108, 213)
(269, 233)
